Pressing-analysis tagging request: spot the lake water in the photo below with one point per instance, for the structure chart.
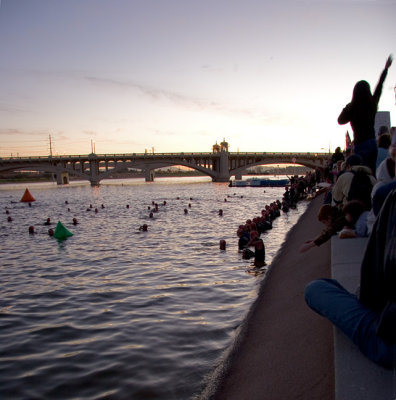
(116, 313)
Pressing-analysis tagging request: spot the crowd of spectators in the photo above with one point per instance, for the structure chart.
(361, 201)
(353, 198)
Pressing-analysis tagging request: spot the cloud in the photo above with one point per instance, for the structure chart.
(11, 109)
(146, 90)
(18, 132)
(90, 133)
(152, 93)
(158, 94)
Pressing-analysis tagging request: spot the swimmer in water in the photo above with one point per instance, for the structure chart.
(259, 249)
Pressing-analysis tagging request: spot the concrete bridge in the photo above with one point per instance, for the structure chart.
(220, 166)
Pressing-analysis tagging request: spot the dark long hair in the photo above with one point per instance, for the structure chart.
(362, 99)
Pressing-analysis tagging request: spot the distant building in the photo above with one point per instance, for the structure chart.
(382, 118)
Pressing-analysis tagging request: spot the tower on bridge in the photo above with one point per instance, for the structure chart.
(216, 148)
(224, 145)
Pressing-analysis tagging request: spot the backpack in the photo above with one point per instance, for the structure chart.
(361, 188)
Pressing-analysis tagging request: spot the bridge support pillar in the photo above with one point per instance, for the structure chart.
(65, 178)
(62, 178)
(59, 178)
(223, 173)
(149, 175)
(94, 170)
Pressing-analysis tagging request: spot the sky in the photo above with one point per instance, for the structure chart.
(123, 76)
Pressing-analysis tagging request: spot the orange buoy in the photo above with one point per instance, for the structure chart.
(27, 197)
(222, 244)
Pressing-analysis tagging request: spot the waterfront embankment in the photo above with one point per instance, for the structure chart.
(283, 350)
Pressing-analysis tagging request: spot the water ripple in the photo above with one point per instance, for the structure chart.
(116, 313)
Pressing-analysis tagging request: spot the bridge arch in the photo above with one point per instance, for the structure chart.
(241, 170)
(238, 165)
(44, 168)
(153, 166)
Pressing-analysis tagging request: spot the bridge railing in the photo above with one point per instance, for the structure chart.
(155, 155)
(87, 156)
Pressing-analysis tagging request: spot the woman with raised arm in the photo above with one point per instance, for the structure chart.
(360, 113)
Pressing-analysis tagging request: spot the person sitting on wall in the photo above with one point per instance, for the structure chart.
(341, 192)
(383, 141)
(386, 182)
(337, 156)
(370, 319)
(356, 215)
(386, 170)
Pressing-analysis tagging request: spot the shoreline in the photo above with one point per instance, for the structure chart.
(282, 349)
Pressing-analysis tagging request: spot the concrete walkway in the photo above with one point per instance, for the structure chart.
(283, 349)
(356, 377)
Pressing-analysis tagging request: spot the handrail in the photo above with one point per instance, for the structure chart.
(156, 155)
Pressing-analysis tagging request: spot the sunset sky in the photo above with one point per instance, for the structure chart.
(179, 75)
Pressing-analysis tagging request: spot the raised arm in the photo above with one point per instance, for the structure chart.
(389, 61)
(378, 88)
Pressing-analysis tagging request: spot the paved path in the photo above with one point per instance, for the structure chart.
(283, 350)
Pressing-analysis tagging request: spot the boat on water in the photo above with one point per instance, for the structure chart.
(259, 182)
